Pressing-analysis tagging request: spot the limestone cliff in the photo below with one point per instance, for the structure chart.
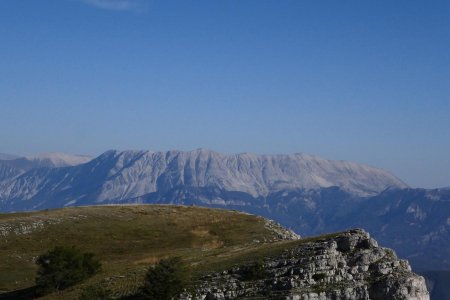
(347, 265)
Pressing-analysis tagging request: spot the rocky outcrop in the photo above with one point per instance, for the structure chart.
(348, 265)
(281, 232)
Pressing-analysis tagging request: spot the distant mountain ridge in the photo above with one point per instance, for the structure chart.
(4, 156)
(12, 166)
(309, 194)
(117, 176)
(58, 159)
(47, 160)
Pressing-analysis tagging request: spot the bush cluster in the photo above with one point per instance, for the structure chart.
(254, 271)
(62, 267)
(164, 280)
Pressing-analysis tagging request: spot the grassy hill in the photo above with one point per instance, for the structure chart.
(128, 239)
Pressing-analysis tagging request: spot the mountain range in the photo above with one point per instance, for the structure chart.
(116, 176)
(12, 166)
(309, 194)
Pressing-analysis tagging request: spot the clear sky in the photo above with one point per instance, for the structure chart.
(366, 81)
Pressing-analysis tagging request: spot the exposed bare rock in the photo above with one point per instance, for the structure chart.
(348, 265)
(282, 232)
(120, 176)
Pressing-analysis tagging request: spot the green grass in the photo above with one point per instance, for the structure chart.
(128, 239)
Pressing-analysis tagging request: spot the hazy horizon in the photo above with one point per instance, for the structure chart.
(93, 156)
(356, 81)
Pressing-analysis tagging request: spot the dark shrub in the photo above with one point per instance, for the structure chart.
(319, 276)
(164, 280)
(62, 267)
(254, 272)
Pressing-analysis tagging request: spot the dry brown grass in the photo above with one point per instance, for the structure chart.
(127, 239)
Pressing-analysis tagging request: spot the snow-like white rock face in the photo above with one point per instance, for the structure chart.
(138, 173)
(57, 159)
(116, 176)
(16, 166)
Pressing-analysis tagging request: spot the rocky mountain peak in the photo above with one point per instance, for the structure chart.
(118, 176)
(58, 159)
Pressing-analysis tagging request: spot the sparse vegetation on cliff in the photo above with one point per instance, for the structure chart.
(221, 253)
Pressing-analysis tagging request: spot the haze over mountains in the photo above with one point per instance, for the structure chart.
(309, 194)
(48, 159)
(11, 165)
(115, 176)
(4, 156)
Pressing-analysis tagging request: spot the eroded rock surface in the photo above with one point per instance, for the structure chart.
(348, 265)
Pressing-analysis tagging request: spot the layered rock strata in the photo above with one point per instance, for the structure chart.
(348, 265)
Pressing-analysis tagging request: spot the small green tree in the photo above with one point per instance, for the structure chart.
(164, 280)
(62, 267)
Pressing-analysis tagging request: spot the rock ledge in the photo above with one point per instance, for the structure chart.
(347, 265)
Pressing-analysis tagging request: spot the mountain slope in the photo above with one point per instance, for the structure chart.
(4, 156)
(44, 160)
(346, 265)
(281, 187)
(58, 159)
(14, 166)
(414, 222)
(211, 243)
(115, 176)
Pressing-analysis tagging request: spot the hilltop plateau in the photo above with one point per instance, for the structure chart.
(215, 247)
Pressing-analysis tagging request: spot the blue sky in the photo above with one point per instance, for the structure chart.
(366, 81)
